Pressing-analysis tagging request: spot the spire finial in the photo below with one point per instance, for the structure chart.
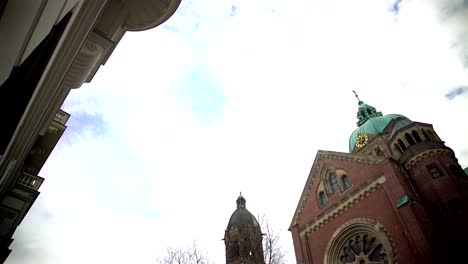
(357, 96)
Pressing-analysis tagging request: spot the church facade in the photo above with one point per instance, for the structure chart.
(243, 237)
(399, 195)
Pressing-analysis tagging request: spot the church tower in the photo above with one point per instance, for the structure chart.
(398, 196)
(243, 237)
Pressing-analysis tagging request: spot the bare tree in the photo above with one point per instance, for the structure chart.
(192, 255)
(272, 250)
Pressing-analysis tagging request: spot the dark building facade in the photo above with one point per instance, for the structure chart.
(243, 237)
(399, 195)
(48, 48)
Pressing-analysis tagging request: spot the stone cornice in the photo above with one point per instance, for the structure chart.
(424, 154)
(146, 14)
(343, 205)
(39, 112)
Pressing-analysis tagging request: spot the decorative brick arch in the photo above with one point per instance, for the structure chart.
(360, 240)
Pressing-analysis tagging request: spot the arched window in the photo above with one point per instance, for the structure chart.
(397, 148)
(402, 145)
(360, 241)
(346, 182)
(322, 199)
(379, 152)
(434, 170)
(431, 135)
(333, 182)
(416, 136)
(410, 139)
(426, 136)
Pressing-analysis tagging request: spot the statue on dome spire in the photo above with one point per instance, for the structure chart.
(357, 96)
(365, 111)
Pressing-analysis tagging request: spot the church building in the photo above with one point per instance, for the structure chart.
(398, 196)
(243, 237)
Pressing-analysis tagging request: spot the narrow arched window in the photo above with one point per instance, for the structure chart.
(416, 136)
(397, 148)
(426, 136)
(333, 182)
(346, 182)
(402, 145)
(434, 170)
(379, 152)
(410, 139)
(322, 199)
(431, 135)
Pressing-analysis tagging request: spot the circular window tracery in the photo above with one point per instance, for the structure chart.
(360, 241)
(363, 249)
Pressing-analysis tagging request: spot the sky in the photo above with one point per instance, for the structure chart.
(235, 96)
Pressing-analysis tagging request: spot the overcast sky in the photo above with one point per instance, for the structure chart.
(231, 96)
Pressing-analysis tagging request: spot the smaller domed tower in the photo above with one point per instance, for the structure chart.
(243, 237)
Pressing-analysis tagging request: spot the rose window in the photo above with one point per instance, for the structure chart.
(363, 249)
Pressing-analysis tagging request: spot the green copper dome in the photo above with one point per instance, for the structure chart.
(372, 126)
(370, 122)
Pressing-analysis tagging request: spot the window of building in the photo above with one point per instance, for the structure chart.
(333, 182)
(431, 135)
(410, 139)
(379, 152)
(322, 199)
(434, 170)
(397, 148)
(346, 182)
(425, 135)
(402, 145)
(360, 241)
(416, 136)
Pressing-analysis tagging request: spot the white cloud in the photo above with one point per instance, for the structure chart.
(158, 175)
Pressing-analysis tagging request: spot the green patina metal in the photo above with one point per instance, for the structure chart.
(403, 200)
(370, 122)
(366, 112)
(466, 170)
(373, 126)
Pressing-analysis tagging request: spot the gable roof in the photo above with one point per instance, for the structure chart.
(321, 157)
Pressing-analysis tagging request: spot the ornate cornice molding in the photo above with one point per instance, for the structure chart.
(146, 14)
(50, 91)
(343, 205)
(425, 154)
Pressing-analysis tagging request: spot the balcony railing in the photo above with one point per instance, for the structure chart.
(30, 181)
